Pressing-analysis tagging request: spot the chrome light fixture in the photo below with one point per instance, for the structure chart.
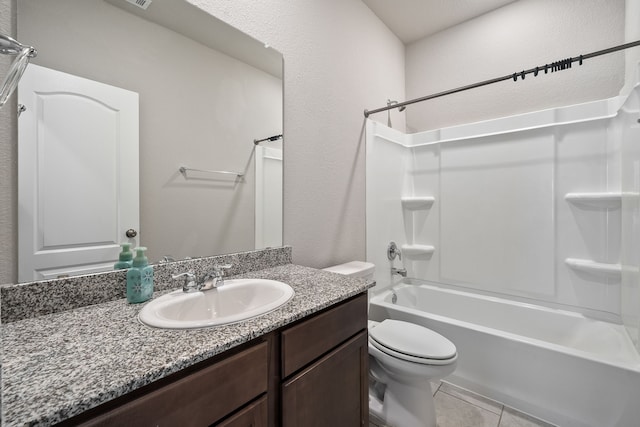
(22, 53)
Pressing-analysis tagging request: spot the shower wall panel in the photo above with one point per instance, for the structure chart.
(422, 226)
(497, 213)
(628, 127)
(586, 230)
(386, 181)
(541, 207)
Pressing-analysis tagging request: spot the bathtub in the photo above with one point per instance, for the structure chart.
(556, 365)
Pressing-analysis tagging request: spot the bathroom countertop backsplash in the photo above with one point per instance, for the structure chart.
(32, 299)
(58, 365)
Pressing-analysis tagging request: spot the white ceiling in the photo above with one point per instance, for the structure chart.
(412, 20)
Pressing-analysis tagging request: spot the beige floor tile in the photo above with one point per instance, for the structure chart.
(473, 398)
(435, 386)
(513, 418)
(453, 412)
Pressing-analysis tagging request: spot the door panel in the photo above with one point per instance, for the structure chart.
(268, 197)
(78, 173)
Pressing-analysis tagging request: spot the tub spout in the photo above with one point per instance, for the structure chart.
(401, 271)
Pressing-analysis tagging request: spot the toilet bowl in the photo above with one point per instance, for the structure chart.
(403, 360)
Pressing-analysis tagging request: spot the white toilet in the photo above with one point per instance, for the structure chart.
(403, 359)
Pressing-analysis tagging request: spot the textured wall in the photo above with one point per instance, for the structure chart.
(8, 172)
(632, 56)
(519, 36)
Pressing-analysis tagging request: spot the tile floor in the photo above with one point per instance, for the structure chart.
(456, 407)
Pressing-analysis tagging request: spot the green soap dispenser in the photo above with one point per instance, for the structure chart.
(139, 278)
(125, 259)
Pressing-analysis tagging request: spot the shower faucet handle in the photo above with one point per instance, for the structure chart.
(393, 252)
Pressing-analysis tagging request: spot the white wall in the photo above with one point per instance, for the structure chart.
(518, 36)
(339, 59)
(632, 56)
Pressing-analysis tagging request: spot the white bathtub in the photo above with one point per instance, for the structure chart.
(556, 365)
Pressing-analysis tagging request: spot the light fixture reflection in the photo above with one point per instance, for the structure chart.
(22, 53)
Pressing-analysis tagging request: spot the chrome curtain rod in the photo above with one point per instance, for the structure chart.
(562, 64)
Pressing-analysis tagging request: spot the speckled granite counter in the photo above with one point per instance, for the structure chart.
(58, 365)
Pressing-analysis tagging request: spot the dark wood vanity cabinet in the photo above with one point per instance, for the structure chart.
(311, 373)
(200, 397)
(325, 368)
(331, 391)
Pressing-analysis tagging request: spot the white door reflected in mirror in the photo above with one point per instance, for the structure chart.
(78, 174)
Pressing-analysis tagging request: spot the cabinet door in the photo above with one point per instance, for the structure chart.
(331, 392)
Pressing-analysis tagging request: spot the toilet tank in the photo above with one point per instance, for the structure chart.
(354, 269)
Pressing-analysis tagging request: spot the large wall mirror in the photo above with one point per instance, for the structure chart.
(196, 94)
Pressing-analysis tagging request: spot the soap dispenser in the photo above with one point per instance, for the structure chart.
(125, 259)
(140, 278)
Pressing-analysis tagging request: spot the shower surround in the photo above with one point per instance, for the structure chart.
(541, 209)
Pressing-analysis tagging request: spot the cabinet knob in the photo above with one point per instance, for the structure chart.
(131, 233)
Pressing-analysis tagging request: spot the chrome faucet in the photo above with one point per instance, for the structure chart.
(211, 280)
(400, 271)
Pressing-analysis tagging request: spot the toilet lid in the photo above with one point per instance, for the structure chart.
(404, 338)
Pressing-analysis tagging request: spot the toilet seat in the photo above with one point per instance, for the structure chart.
(411, 342)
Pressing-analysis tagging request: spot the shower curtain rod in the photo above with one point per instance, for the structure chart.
(562, 64)
(269, 138)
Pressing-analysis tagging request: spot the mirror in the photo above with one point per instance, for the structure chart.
(205, 92)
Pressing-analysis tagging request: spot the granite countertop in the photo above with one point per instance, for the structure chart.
(58, 365)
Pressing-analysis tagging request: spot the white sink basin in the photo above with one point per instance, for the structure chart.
(236, 300)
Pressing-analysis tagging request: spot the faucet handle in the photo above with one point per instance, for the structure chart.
(219, 270)
(214, 278)
(189, 284)
(393, 252)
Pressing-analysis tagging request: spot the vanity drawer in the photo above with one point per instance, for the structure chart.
(199, 399)
(307, 341)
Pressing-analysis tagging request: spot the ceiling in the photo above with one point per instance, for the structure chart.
(412, 20)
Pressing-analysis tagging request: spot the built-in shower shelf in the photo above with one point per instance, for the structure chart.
(602, 200)
(417, 251)
(589, 266)
(415, 203)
